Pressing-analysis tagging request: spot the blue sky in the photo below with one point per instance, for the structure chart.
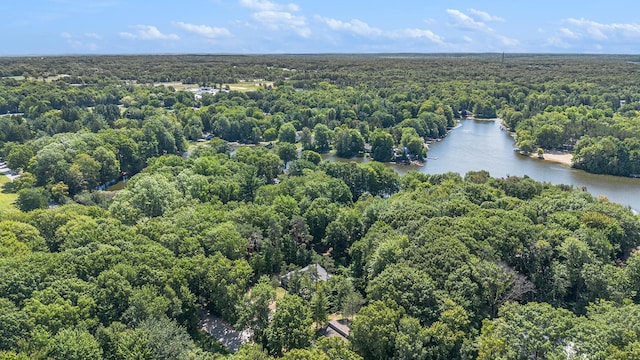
(317, 26)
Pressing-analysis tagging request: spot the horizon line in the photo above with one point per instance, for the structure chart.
(312, 53)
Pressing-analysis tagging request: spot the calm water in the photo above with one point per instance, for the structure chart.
(482, 145)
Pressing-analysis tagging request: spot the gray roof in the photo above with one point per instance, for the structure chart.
(317, 273)
(338, 328)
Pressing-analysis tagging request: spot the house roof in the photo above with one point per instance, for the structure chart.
(338, 328)
(317, 273)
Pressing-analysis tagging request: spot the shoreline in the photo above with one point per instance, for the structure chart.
(555, 156)
(482, 119)
(560, 157)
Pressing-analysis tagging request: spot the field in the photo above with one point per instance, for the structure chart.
(19, 78)
(177, 85)
(247, 86)
(6, 200)
(242, 86)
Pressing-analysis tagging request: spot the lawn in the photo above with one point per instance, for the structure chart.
(280, 292)
(247, 86)
(6, 200)
(19, 78)
(241, 86)
(176, 85)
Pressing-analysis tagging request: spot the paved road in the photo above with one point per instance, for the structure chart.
(4, 170)
(223, 332)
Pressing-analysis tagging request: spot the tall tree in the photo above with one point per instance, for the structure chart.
(254, 310)
(374, 329)
(75, 344)
(322, 138)
(19, 156)
(287, 152)
(290, 327)
(381, 146)
(287, 133)
(319, 307)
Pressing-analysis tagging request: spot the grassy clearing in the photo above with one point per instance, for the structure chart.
(6, 200)
(55, 77)
(241, 86)
(194, 144)
(247, 86)
(19, 78)
(280, 292)
(120, 185)
(177, 85)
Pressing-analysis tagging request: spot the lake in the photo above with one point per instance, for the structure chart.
(482, 145)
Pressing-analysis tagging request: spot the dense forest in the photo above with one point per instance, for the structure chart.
(227, 191)
(586, 104)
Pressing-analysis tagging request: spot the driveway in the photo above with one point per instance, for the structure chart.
(4, 170)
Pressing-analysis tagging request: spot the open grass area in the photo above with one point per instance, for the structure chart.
(177, 85)
(6, 200)
(55, 77)
(280, 292)
(247, 86)
(19, 78)
(241, 86)
(194, 144)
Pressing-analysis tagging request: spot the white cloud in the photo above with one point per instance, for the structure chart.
(277, 20)
(557, 42)
(418, 34)
(148, 32)
(466, 22)
(126, 35)
(507, 41)
(265, 5)
(361, 28)
(591, 27)
(467, 39)
(592, 35)
(77, 43)
(568, 33)
(485, 16)
(276, 16)
(601, 31)
(204, 30)
(355, 26)
(94, 36)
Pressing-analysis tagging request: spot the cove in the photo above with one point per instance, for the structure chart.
(482, 145)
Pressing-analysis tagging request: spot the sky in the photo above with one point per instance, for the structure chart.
(56, 27)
